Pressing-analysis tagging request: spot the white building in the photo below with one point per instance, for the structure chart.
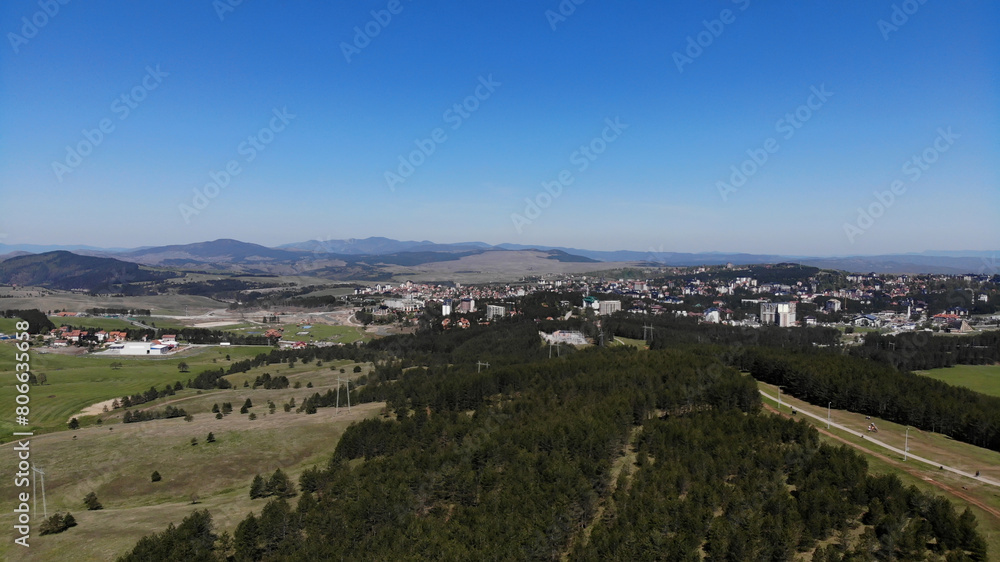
(609, 307)
(494, 311)
(134, 348)
(446, 307)
(780, 313)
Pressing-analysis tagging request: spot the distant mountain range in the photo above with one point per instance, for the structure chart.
(366, 256)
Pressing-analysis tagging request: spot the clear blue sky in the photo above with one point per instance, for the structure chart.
(323, 175)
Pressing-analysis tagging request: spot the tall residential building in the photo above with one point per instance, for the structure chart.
(780, 313)
(609, 307)
(446, 307)
(494, 311)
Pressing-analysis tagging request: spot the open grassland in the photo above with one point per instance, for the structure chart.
(76, 302)
(981, 378)
(317, 332)
(92, 322)
(638, 344)
(116, 462)
(326, 332)
(162, 322)
(75, 382)
(962, 491)
(8, 325)
(333, 292)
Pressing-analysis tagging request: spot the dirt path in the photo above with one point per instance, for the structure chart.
(951, 490)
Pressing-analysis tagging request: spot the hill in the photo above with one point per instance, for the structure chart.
(220, 251)
(68, 271)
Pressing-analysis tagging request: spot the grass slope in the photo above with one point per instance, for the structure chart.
(981, 378)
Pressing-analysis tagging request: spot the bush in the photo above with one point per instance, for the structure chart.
(357, 368)
(155, 477)
(92, 502)
(74, 424)
(57, 524)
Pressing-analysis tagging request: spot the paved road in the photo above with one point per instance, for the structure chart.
(870, 439)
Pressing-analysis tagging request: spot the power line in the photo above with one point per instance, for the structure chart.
(34, 490)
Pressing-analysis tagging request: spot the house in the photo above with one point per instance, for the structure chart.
(865, 320)
(60, 343)
(168, 339)
(463, 323)
(117, 336)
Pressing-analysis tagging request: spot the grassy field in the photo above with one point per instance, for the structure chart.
(926, 444)
(639, 344)
(115, 460)
(326, 332)
(981, 378)
(117, 464)
(98, 322)
(7, 325)
(75, 382)
(75, 302)
(161, 322)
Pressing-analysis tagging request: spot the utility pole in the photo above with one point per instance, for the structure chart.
(647, 333)
(45, 507)
(480, 364)
(779, 398)
(906, 443)
(339, 382)
(828, 414)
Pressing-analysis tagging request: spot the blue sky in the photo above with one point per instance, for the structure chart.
(895, 89)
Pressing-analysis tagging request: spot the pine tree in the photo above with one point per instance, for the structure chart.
(92, 502)
(155, 477)
(247, 539)
(257, 487)
(210, 438)
(280, 485)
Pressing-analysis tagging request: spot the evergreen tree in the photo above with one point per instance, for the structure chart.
(92, 502)
(257, 487)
